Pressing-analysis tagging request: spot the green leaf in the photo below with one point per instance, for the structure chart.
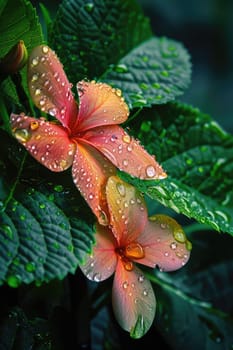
(195, 303)
(197, 156)
(37, 240)
(18, 332)
(155, 72)
(89, 36)
(18, 21)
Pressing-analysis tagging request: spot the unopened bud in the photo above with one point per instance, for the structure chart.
(14, 60)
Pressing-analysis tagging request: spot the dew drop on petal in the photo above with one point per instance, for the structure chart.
(141, 278)
(121, 189)
(125, 285)
(96, 277)
(35, 61)
(173, 245)
(22, 135)
(126, 138)
(45, 49)
(150, 171)
(34, 125)
(179, 236)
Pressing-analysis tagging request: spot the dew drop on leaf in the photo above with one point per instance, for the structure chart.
(13, 281)
(7, 230)
(30, 267)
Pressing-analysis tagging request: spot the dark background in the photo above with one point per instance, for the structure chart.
(205, 27)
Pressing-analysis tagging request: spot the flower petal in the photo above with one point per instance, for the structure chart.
(164, 243)
(133, 301)
(48, 143)
(49, 86)
(125, 152)
(127, 209)
(100, 104)
(90, 173)
(101, 264)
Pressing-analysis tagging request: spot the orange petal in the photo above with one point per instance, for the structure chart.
(125, 152)
(90, 173)
(49, 86)
(127, 209)
(164, 243)
(48, 143)
(101, 264)
(100, 104)
(133, 300)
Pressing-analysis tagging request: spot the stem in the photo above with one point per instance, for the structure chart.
(12, 190)
(4, 115)
(17, 80)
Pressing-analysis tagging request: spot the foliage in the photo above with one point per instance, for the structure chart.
(46, 228)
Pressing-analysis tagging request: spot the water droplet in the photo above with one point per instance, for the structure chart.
(58, 188)
(34, 125)
(126, 138)
(179, 236)
(165, 73)
(35, 61)
(173, 245)
(7, 230)
(13, 281)
(30, 267)
(121, 189)
(45, 49)
(22, 135)
(150, 171)
(97, 277)
(121, 68)
(125, 285)
(89, 7)
(145, 292)
(141, 278)
(35, 77)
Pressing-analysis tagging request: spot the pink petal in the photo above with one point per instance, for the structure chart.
(164, 243)
(133, 300)
(49, 86)
(102, 262)
(125, 152)
(48, 143)
(100, 104)
(127, 209)
(90, 173)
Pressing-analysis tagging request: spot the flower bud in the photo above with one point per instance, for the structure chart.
(14, 60)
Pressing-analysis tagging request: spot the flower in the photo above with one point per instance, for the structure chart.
(131, 239)
(85, 134)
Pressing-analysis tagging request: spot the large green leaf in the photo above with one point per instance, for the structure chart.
(89, 36)
(195, 305)
(155, 72)
(198, 158)
(38, 242)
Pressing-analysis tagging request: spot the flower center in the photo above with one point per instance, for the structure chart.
(131, 251)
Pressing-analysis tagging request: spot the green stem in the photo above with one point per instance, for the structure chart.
(12, 190)
(4, 115)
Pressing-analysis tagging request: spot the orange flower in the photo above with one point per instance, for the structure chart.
(85, 135)
(131, 239)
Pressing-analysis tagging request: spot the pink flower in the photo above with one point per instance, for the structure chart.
(132, 238)
(85, 134)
